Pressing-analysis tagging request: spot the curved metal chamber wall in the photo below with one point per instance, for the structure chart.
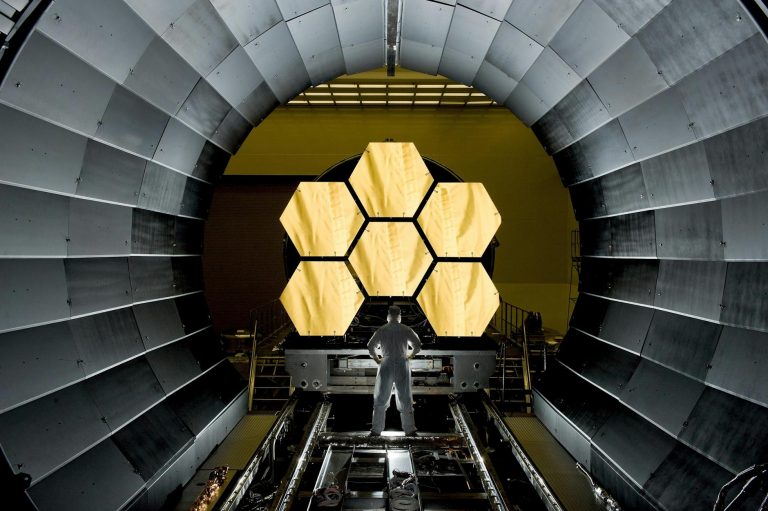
(118, 116)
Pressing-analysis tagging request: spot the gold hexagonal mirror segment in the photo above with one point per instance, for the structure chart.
(459, 219)
(321, 298)
(390, 258)
(459, 299)
(322, 219)
(391, 179)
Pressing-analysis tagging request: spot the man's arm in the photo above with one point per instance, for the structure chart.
(413, 339)
(372, 347)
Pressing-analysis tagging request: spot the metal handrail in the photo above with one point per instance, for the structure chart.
(509, 320)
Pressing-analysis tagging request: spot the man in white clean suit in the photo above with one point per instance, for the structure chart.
(394, 367)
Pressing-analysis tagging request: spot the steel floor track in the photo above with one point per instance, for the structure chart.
(554, 463)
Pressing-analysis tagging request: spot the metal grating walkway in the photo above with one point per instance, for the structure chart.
(555, 464)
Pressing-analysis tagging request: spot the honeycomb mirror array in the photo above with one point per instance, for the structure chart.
(391, 256)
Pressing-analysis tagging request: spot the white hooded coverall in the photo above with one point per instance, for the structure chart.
(393, 338)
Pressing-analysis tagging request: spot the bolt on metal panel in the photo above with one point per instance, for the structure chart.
(174, 365)
(107, 34)
(740, 364)
(204, 109)
(737, 159)
(587, 38)
(632, 15)
(595, 237)
(279, 62)
(49, 352)
(728, 429)
(652, 380)
(33, 223)
(704, 478)
(110, 174)
(679, 176)
(526, 105)
(96, 228)
(602, 151)
(106, 479)
(248, 19)
(698, 31)
(729, 91)
(658, 125)
(37, 153)
(634, 444)
(512, 51)
(745, 301)
(106, 339)
(294, 8)
(496, 9)
(188, 236)
(179, 147)
(69, 416)
(162, 189)
(584, 405)
(159, 15)
(745, 229)
(232, 131)
(633, 235)
(53, 83)
(540, 19)
(187, 274)
(550, 77)
(258, 104)
(200, 36)
(551, 132)
(495, 83)
(599, 363)
(236, 77)
(201, 401)
(420, 57)
(151, 278)
(196, 200)
(624, 190)
(124, 392)
(162, 77)
(152, 233)
(681, 343)
(616, 483)
(153, 440)
(159, 323)
(469, 37)
(626, 79)
(587, 199)
(691, 287)
(426, 22)
(32, 291)
(359, 21)
(581, 111)
(690, 232)
(364, 56)
(97, 284)
(572, 439)
(317, 41)
(131, 123)
(193, 311)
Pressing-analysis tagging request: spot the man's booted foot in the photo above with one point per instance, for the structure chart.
(374, 434)
(411, 433)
